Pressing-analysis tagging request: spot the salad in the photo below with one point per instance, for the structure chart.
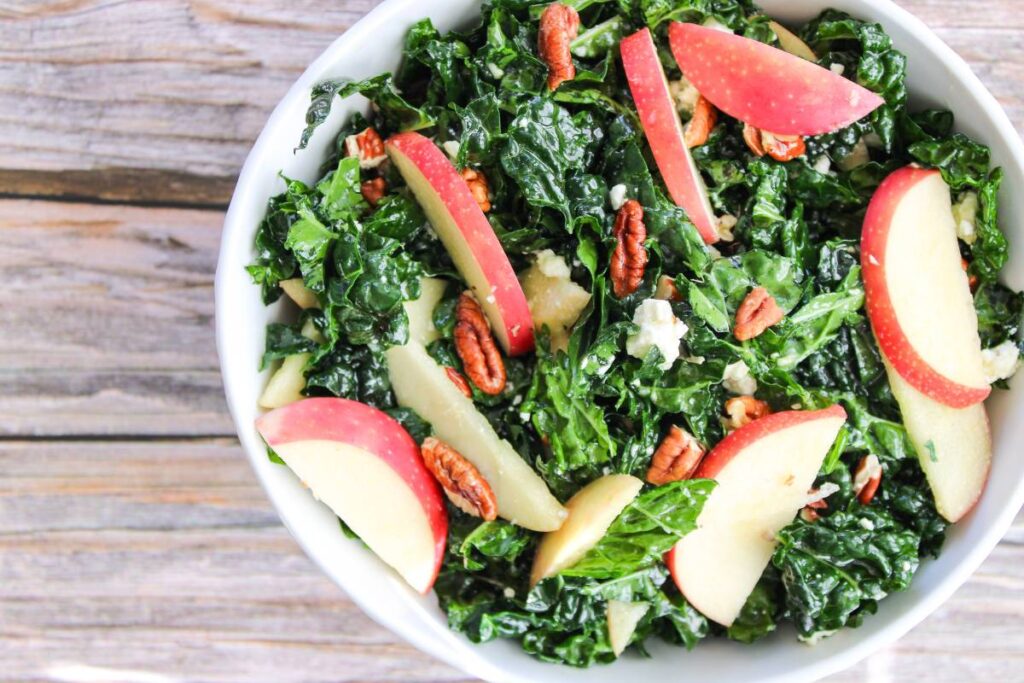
(632, 319)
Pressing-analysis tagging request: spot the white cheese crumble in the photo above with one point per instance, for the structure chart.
(451, 148)
(1000, 362)
(617, 196)
(724, 227)
(965, 215)
(659, 328)
(684, 95)
(509, 592)
(838, 69)
(867, 524)
(738, 380)
(826, 490)
(715, 254)
(822, 164)
(496, 71)
(552, 265)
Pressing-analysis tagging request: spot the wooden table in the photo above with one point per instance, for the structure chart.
(135, 544)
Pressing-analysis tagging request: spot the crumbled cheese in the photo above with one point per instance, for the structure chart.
(867, 524)
(822, 164)
(826, 490)
(684, 95)
(838, 69)
(724, 227)
(496, 71)
(517, 399)
(617, 196)
(451, 148)
(509, 592)
(965, 215)
(796, 406)
(552, 265)
(659, 328)
(715, 254)
(1000, 362)
(696, 360)
(738, 380)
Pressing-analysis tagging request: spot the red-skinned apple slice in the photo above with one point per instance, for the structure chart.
(764, 471)
(468, 237)
(954, 446)
(916, 292)
(664, 132)
(767, 87)
(364, 466)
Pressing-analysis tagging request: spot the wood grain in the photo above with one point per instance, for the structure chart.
(166, 110)
(107, 315)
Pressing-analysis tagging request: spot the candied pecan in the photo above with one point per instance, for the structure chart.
(559, 25)
(705, 116)
(459, 381)
(462, 482)
(756, 314)
(667, 290)
(477, 183)
(742, 410)
(866, 478)
(972, 280)
(476, 347)
(368, 147)
(676, 458)
(630, 256)
(778, 147)
(809, 513)
(373, 190)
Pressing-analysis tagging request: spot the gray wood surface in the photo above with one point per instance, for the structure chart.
(135, 544)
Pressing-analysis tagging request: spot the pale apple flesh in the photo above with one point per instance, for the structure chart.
(467, 235)
(420, 312)
(591, 511)
(297, 291)
(764, 471)
(367, 469)
(555, 303)
(286, 384)
(916, 292)
(954, 446)
(623, 618)
(664, 132)
(766, 87)
(792, 43)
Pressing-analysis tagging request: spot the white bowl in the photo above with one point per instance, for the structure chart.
(936, 76)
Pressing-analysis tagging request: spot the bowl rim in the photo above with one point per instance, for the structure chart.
(424, 636)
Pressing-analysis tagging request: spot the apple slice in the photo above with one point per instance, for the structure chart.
(664, 132)
(954, 446)
(767, 87)
(297, 291)
(286, 384)
(591, 511)
(791, 43)
(622, 620)
(916, 291)
(367, 469)
(420, 312)
(468, 237)
(764, 471)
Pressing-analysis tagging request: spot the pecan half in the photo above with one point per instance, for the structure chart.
(477, 183)
(462, 482)
(778, 147)
(666, 289)
(629, 259)
(705, 116)
(809, 513)
(756, 314)
(559, 25)
(459, 381)
(866, 478)
(742, 410)
(676, 458)
(476, 347)
(368, 147)
(373, 190)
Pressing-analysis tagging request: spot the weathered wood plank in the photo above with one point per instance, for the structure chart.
(166, 111)
(166, 559)
(107, 319)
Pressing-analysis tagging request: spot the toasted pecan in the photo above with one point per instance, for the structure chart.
(629, 259)
(742, 410)
(559, 25)
(475, 345)
(477, 183)
(866, 478)
(705, 116)
(676, 458)
(373, 190)
(757, 313)
(367, 146)
(459, 381)
(778, 147)
(465, 487)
